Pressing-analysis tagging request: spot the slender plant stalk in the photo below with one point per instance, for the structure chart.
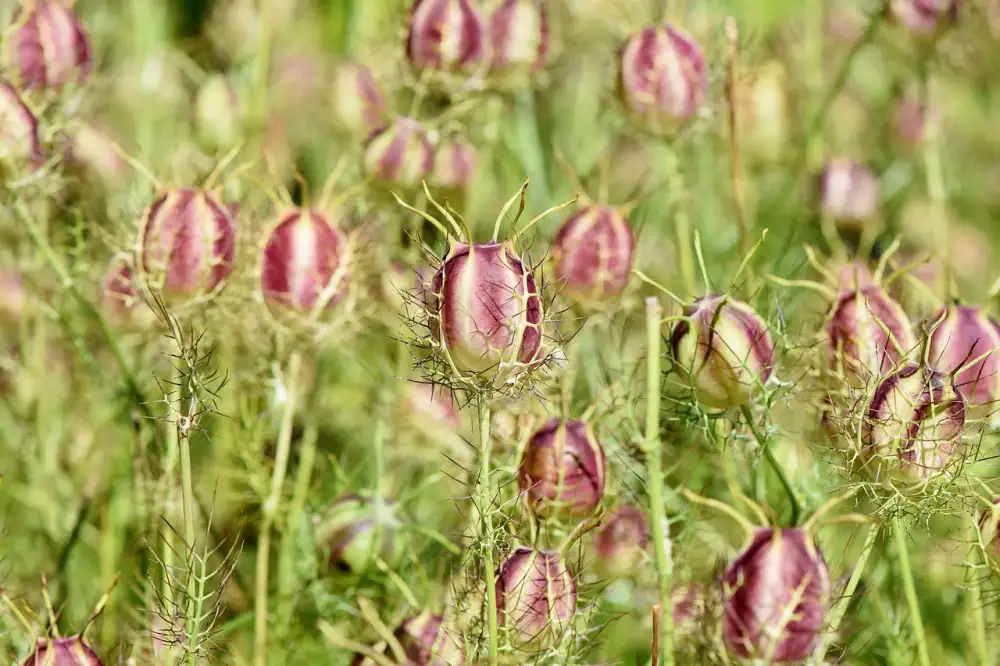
(485, 499)
(840, 609)
(975, 609)
(271, 508)
(773, 462)
(682, 222)
(654, 466)
(903, 555)
(735, 165)
(169, 501)
(187, 488)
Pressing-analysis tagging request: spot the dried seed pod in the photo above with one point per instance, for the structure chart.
(399, 153)
(218, 114)
(563, 469)
(355, 531)
(620, 544)
(454, 163)
(19, 144)
(867, 335)
(428, 642)
(914, 424)
(723, 350)
(924, 18)
(48, 46)
(519, 37)
(965, 335)
(775, 596)
(304, 264)
(485, 310)
(446, 35)
(662, 77)
(69, 651)
(358, 102)
(187, 245)
(593, 254)
(536, 596)
(849, 193)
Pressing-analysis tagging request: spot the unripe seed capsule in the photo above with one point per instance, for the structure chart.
(48, 47)
(924, 18)
(217, 113)
(563, 469)
(354, 531)
(775, 597)
(519, 35)
(536, 596)
(964, 335)
(358, 103)
(92, 152)
(400, 153)
(454, 163)
(593, 255)
(119, 289)
(849, 193)
(621, 542)
(427, 641)
(446, 35)
(868, 334)
(69, 651)
(723, 350)
(19, 142)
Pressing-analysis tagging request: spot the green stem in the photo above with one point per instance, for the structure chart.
(773, 462)
(187, 485)
(977, 625)
(169, 497)
(923, 658)
(682, 222)
(485, 499)
(654, 466)
(837, 616)
(271, 508)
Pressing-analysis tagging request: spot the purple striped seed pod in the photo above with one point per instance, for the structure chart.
(849, 193)
(455, 162)
(593, 254)
(689, 609)
(924, 18)
(867, 335)
(69, 651)
(723, 350)
(119, 290)
(914, 424)
(304, 262)
(989, 530)
(91, 152)
(399, 153)
(355, 531)
(775, 596)
(218, 115)
(563, 469)
(187, 245)
(965, 335)
(662, 77)
(911, 117)
(19, 144)
(621, 542)
(358, 102)
(852, 275)
(519, 37)
(426, 641)
(536, 596)
(48, 46)
(445, 35)
(485, 310)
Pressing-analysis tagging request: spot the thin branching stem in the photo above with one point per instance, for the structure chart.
(974, 600)
(682, 221)
(773, 462)
(485, 499)
(910, 590)
(840, 609)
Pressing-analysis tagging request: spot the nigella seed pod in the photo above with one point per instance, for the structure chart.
(592, 253)
(358, 102)
(446, 35)
(868, 334)
(924, 18)
(536, 596)
(454, 163)
(399, 153)
(69, 651)
(304, 264)
(775, 596)
(355, 531)
(853, 275)
(849, 193)
(19, 144)
(662, 77)
(912, 117)
(762, 111)
(187, 245)
(91, 152)
(723, 350)
(989, 530)
(217, 113)
(519, 37)
(118, 288)
(914, 424)
(47, 47)
(620, 544)
(426, 641)
(968, 338)
(485, 310)
(563, 469)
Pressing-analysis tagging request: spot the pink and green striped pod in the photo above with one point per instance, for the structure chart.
(355, 530)
(563, 469)
(662, 77)
(914, 424)
(536, 596)
(723, 350)
(48, 47)
(426, 641)
(187, 245)
(399, 153)
(965, 336)
(303, 265)
(867, 335)
(775, 597)
(454, 163)
(519, 37)
(19, 144)
(852, 275)
(68, 651)
(621, 542)
(924, 18)
(593, 253)
(485, 310)
(358, 102)
(446, 35)
(849, 193)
